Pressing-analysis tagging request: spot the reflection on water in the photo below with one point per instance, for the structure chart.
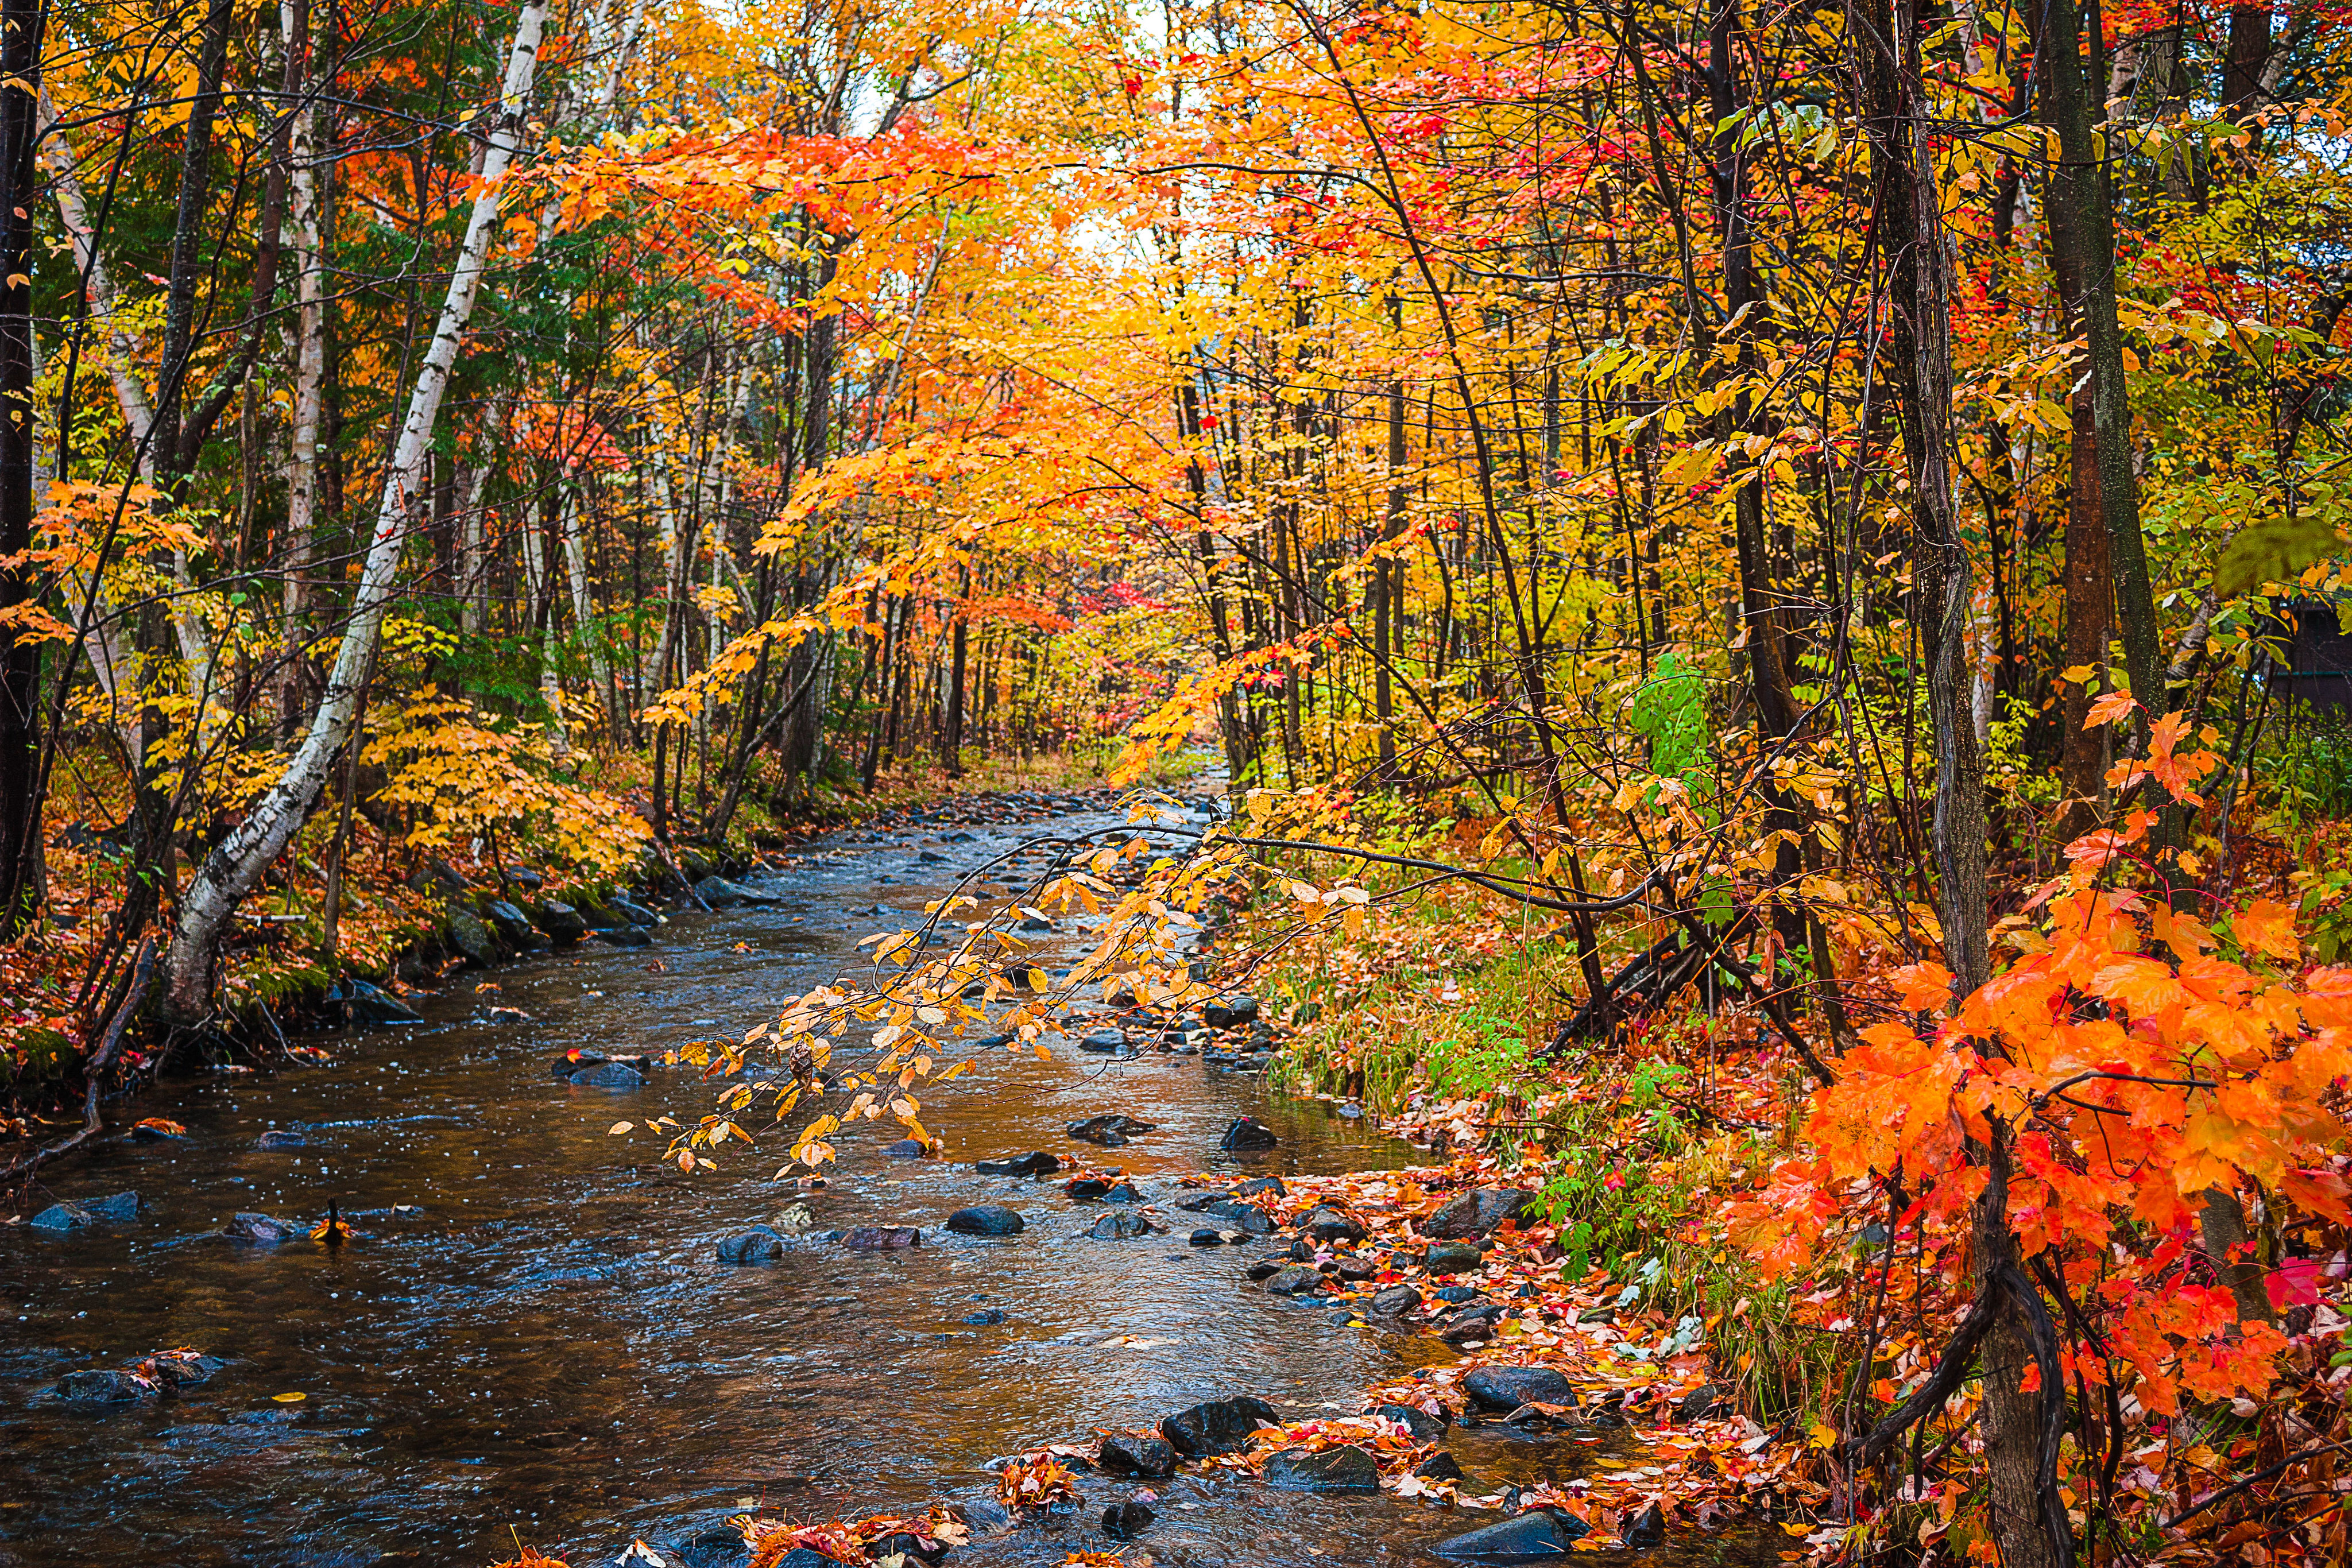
(546, 1344)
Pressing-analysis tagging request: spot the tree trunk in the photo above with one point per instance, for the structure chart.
(309, 354)
(20, 659)
(237, 862)
(2083, 752)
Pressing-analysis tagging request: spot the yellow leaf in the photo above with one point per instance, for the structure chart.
(289, 1398)
(617, 1128)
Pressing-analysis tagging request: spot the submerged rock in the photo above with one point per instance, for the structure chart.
(720, 894)
(1648, 1528)
(987, 1220)
(1137, 1454)
(1110, 1132)
(264, 1229)
(1440, 1467)
(1296, 1280)
(92, 1386)
(1348, 1469)
(906, 1149)
(757, 1245)
(882, 1238)
(1126, 1520)
(610, 1075)
(1508, 1388)
(987, 1317)
(1535, 1534)
(80, 1213)
(1248, 1133)
(281, 1138)
(1029, 1164)
(626, 937)
(1119, 1227)
(1218, 1425)
(364, 1003)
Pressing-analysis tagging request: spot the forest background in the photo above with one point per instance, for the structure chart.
(1786, 557)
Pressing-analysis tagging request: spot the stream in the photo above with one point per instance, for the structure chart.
(532, 1341)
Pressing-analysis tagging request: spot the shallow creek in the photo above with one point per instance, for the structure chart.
(547, 1350)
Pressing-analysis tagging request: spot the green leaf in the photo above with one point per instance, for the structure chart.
(2276, 549)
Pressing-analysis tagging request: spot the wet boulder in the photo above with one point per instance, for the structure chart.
(1296, 1280)
(1086, 1187)
(986, 1220)
(1110, 1132)
(1474, 1325)
(1119, 1227)
(562, 924)
(1218, 1425)
(470, 939)
(802, 1557)
(1708, 1399)
(364, 1003)
(92, 1385)
(513, 927)
(1647, 1529)
(1424, 1426)
(714, 1546)
(1258, 1186)
(758, 1245)
(1208, 1237)
(177, 1369)
(1395, 1302)
(609, 1075)
(80, 1214)
(1452, 1258)
(1248, 1133)
(1440, 1467)
(720, 894)
(1126, 1520)
(882, 1238)
(1103, 1040)
(987, 1317)
(634, 913)
(1231, 1012)
(261, 1229)
(1538, 1533)
(1346, 1468)
(907, 1548)
(1124, 1192)
(288, 1137)
(1245, 1217)
(1474, 1214)
(1328, 1224)
(1137, 1454)
(626, 937)
(906, 1149)
(1029, 1164)
(1508, 1388)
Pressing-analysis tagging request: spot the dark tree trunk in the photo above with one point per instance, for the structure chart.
(20, 661)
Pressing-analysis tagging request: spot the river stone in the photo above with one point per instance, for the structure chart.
(510, 922)
(987, 1317)
(1218, 1427)
(720, 894)
(1102, 1040)
(1475, 1213)
(1647, 1531)
(802, 1557)
(1508, 1388)
(1394, 1302)
(1125, 1192)
(1110, 1132)
(1086, 1187)
(1440, 1467)
(1531, 1536)
(562, 924)
(1348, 1469)
(1119, 1227)
(626, 937)
(610, 1075)
(714, 1546)
(986, 1220)
(1476, 1325)
(1704, 1400)
(184, 1368)
(266, 1229)
(906, 1149)
(369, 1004)
(1258, 1186)
(882, 1238)
(470, 939)
(281, 1138)
(1297, 1279)
(76, 1214)
(1424, 1426)
(1247, 1217)
(1030, 1164)
(1326, 1223)
(1126, 1520)
(634, 913)
(1137, 1454)
(1248, 1133)
(1230, 1013)
(1208, 1237)
(93, 1386)
(757, 1245)
(1452, 1258)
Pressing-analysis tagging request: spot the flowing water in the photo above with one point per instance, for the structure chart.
(542, 1348)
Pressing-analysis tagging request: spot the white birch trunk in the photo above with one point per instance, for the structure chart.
(309, 346)
(583, 609)
(237, 862)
